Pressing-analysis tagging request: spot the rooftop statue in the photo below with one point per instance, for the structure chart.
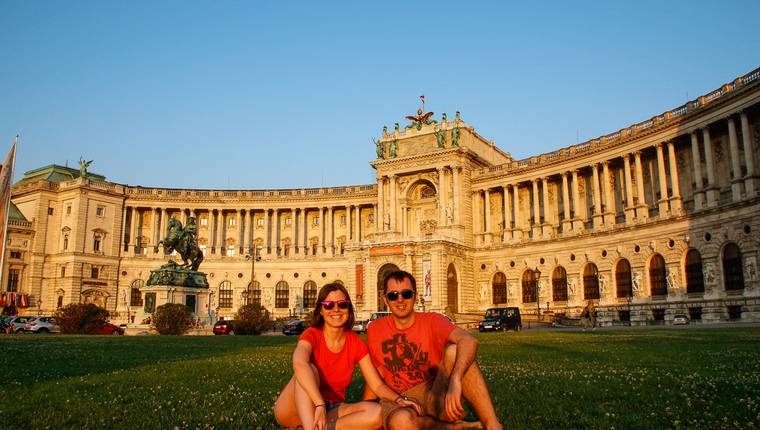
(420, 119)
(83, 165)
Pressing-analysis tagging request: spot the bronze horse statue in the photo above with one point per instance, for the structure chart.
(183, 241)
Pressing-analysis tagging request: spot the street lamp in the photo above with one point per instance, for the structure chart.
(537, 272)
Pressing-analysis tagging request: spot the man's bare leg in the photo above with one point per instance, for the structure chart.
(407, 419)
(474, 389)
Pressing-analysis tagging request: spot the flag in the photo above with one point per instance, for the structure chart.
(422, 97)
(6, 180)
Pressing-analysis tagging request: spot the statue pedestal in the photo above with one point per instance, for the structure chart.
(197, 299)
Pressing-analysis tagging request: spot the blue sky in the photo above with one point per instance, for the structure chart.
(251, 95)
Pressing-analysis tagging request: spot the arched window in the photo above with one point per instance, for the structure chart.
(695, 282)
(135, 296)
(499, 288)
(225, 295)
(657, 276)
(529, 286)
(281, 295)
(623, 279)
(309, 295)
(590, 282)
(254, 297)
(559, 284)
(427, 192)
(732, 268)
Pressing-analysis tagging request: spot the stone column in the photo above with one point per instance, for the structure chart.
(248, 236)
(565, 204)
(736, 177)
(164, 219)
(713, 194)
(132, 224)
(267, 245)
(548, 214)
(578, 220)
(699, 192)
(507, 215)
(536, 224)
(404, 221)
(306, 248)
(331, 230)
(456, 191)
(441, 198)
(663, 180)
(357, 224)
(642, 210)
(750, 181)
(477, 219)
(379, 213)
(123, 243)
(293, 232)
(609, 195)
(675, 199)
(394, 203)
(156, 213)
(517, 233)
(597, 195)
(487, 212)
(630, 210)
(349, 229)
(322, 227)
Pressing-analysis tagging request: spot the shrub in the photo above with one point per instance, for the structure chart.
(172, 319)
(252, 319)
(81, 318)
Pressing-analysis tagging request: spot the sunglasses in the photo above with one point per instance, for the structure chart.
(405, 294)
(329, 304)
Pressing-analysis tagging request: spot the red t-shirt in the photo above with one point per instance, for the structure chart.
(335, 369)
(407, 358)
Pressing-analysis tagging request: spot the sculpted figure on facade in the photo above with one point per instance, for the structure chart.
(636, 283)
(708, 272)
(393, 149)
(440, 138)
(379, 148)
(602, 283)
(670, 280)
(450, 212)
(455, 137)
(572, 283)
(750, 269)
(483, 292)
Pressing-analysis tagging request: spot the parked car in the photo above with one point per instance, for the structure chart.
(20, 324)
(680, 319)
(375, 316)
(109, 328)
(497, 319)
(42, 325)
(224, 327)
(293, 328)
(360, 326)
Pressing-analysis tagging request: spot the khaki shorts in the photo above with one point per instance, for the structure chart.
(431, 397)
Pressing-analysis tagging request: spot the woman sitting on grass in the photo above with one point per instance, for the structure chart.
(323, 362)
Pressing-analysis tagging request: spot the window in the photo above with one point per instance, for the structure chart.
(50, 211)
(230, 250)
(658, 314)
(204, 221)
(225, 295)
(94, 273)
(310, 295)
(499, 288)
(315, 220)
(695, 314)
(657, 276)
(695, 282)
(529, 287)
(342, 220)
(231, 222)
(135, 296)
(281, 296)
(203, 249)
(13, 276)
(427, 192)
(100, 211)
(63, 271)
(260, 222)
(371, 217)
(623, 279)
(734, 312)
(624, 316)
(732, 268)
(16, 254)
(255, 294)
(68, 209)
(65, 242)
(96, 243)
(590, 282)
(559, 284)
(288, 221)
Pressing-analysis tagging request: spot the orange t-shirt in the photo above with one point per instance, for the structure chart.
(410, 357)
(335, 369)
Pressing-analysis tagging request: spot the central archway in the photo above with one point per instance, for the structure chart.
(381, 274)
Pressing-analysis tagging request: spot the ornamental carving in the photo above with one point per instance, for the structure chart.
(428, 226)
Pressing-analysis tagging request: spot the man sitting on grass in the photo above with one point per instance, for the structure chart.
(430, 361)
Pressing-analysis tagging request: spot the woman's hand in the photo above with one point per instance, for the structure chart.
(320, 417)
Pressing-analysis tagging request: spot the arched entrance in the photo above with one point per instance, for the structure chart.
(452, 290)
(381, 274)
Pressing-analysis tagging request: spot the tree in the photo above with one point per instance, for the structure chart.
(172, 319)
(81, 318)
(252, 319)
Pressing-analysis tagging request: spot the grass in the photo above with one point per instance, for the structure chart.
(638, 379)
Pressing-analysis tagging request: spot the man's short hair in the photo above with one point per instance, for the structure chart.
(399, 276)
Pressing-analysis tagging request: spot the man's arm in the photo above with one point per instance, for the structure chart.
(467, 350)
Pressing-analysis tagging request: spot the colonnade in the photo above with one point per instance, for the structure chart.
(619, 192)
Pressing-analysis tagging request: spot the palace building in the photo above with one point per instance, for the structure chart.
(657, 219)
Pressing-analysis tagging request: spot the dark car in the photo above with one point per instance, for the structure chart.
(501, 319)
(224, 327)
(293, 328)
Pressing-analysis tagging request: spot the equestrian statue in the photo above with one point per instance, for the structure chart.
(184, 242)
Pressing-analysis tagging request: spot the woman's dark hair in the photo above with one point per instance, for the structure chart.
(399, 276)
(316, 318)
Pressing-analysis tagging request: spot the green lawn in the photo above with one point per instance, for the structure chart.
(693, 378)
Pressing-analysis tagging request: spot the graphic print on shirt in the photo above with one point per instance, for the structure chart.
(408, 364)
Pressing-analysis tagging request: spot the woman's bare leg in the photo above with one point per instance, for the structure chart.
(285, 411)
(364, 415)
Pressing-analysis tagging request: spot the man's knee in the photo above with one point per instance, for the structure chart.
(403, 419)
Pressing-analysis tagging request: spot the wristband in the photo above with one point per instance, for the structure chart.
(401, 398)
(321, 404)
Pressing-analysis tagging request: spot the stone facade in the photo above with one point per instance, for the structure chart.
(656, 219)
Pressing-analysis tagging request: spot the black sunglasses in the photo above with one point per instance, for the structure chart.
(329, 304)
(405, 294)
